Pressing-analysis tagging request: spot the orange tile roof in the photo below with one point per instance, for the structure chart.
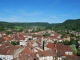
(6, 38)
(27, 50)
(5, 51)
(51, 45)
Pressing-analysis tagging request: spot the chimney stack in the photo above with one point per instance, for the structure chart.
(43, 45)
(43, 42)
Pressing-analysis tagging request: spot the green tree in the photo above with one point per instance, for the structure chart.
(78, 37)
(8, 32)
(26, 31)
(66, 42)
(72, 41)
(13, 43)
(20, 30)
(63, 34)
(55, 41)
(73, 49)
(46, 34)
(78, 53)
(33, 35)
(1, 28)
(17, 43)
(72, 35)
(30, 38)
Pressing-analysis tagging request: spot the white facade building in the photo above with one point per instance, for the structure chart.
(6, 57)
(46, 58)
(23, 43)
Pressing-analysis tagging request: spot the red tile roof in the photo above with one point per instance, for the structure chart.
(5, 51)
(12, 50)
(61, 49)
(60, 46)
(51, 45)
(27, 50)
(29, 44)
(6, 38)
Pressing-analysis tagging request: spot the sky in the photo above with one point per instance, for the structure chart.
(51, 11)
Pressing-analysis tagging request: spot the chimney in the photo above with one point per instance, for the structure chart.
(43, 45)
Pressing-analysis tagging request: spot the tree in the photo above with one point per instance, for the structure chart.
(72, 41)
(20, 30)
(77, 37)
(55, 41)
(77, 44)
(73, 47)
(66, 42)
(1, 28)
(26, 31)
(13, 43)
(17, 43)
(8, 32)
(33, 35)
(63, 34)
(30, 38)
(78, 53)
(72, 35)
(46, 34)
(70, 25)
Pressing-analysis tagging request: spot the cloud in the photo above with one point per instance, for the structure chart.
(25, 13)
(13, 18)
(10, 11)
(44, 19)
(32, 14)
(8, 19)
(66, 15)
(54, 16)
